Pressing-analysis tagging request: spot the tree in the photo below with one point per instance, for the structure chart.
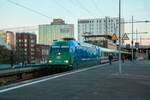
(4, 55)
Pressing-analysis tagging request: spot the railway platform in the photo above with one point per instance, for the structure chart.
(101, 82)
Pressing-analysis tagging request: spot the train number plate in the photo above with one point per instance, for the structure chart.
(58, 61)
(58, 57)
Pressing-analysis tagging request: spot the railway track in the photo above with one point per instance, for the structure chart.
(12, 75)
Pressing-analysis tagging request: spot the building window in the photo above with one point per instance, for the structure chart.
(25, 40)
(32, 45)
(25, 44)
(32, 41)
(32, 54)
(32, 49)
(25, 49)
(20, 45)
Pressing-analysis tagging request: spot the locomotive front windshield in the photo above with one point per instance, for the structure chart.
(54, 50)
(64, 49)
(59, 49)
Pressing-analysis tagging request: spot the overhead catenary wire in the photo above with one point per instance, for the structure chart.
(29, 28)
(96, 6)
(29, 9)
(74, 4)
(35, 11)
(63, 7)
(82, 7)
(3, 5)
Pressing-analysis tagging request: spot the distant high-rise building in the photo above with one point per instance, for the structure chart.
(3, 35)
(8, 37)
(25, 47)
(55, 31)
(99, 26)
(2, 43)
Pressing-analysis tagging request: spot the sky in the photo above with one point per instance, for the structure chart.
(12, 15)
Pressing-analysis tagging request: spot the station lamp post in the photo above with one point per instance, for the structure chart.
(132, 39)
(120, 68)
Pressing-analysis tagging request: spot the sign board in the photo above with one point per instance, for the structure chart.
(125, 36)
(114, 37)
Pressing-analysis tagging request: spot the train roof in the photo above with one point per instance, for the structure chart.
(113, 50)
(76, 43)
(72, 43)
(65, 43)
(108, 50)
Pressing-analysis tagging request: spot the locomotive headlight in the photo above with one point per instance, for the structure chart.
(59, 53)
(50, 61)
(66, 61)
